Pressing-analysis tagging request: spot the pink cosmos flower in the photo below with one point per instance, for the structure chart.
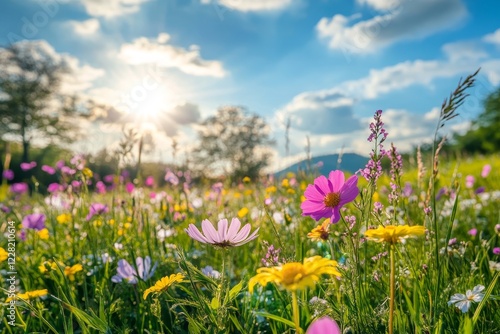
(226, 236)
(324, 325)
(486, 170)
(129, 187)
(325, 197)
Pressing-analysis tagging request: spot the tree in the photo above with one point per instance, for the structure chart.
(31, 105)
(235, 142)
(483, 136)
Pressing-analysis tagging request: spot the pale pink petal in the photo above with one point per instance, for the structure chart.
(250, 238)
(233, 228)
(321, 185)
(194, 233)
(209, 231)
(243, 234)
(313, 194)
(222, 229)
(337, 179)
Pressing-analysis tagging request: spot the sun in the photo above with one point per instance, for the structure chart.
(151, 105)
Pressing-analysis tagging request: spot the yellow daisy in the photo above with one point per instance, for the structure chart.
(3, 255)
(47, 266)
(30, 295)
(71, 271)
(295, 275)
(394, 234)
(163, 284)
(320, 232)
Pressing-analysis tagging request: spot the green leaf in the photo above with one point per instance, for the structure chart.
(215, 303)
(277, 318)
(235, 290)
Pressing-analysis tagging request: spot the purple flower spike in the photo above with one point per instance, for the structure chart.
(324, 325)
(226, 236)
(26, 166)
(326, 196)
(35, 221)
(97, 209)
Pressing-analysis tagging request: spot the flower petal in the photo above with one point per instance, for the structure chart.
(242, 235)
(250, 238)
(233, 228)
(321, 185)
(324, 325)
(222, 230)
(312, 193)
(337, 180)
(194, 233)
(209, 231)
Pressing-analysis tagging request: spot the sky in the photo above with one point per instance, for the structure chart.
(326, 65)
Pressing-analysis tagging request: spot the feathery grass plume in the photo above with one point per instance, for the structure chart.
(420, 168)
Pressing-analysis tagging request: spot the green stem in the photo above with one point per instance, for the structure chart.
(392, 290)
(295, 309)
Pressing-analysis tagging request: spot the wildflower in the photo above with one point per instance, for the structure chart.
(19, 188)
(320, 232)
(128, 273)
(464, 302)
(129, 187)
(295, 275)
(272, 257)
(63, 218)
(30, 295)
(163, 284)
(43, 234)
(246, 179)
(469, 181)
(8, 174)
(3, 255)
(171, 177)
(97, 209)
(373, 168)
(87, 172)
(150, 181)
(225, 236)
(211, 272)
(496, 250)
(26, 166)
(34, 221)
(243, 212)
(324, 325)
(473, 232)
(54, 188)
(326, 196)
(394, 234)
(47, 266)
(48, 169)
(71, 271)
(486, 170)
(495, 266)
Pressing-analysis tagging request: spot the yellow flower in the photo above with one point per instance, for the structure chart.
(163, 284)
(3, 255)
(87, 172)
(43, 234)
(246, 179)
(376, 197)
(285, 183)
(127, 225)
(295, 275)
(320, 232)
(243, 212)
(63, 218)
(30, 295)
(71, 271)
(290, 175)
(394, 234)
(47, 266)
(111, 222)
(290, 191)
(248, 192)
(271, 189)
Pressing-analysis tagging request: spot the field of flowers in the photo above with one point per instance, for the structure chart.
(399, 250)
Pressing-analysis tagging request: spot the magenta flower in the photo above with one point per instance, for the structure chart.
(496, 250)
(226, 236)
(54, 187)
(26, 166)
(150, 181)
(171, 177)
(325, 197)
(48, 169)
(19, 188)
(473, 232)
(97, 209)
(129, 187)
(8, 174)
(34, 221)
(469, 181)
(324, 325)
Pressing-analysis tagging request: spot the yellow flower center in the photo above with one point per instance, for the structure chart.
(292, 273)
(332, 200)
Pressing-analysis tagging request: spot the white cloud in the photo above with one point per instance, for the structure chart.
(158, 52)
(112, 8)
(493, 38)
(381, 4)
(251, 5)
(85, 28)
(409, 19)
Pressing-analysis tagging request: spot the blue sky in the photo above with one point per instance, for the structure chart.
(325, 64)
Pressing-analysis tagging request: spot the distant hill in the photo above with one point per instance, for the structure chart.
(350, 162)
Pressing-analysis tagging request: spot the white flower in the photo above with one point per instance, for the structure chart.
(463, 302)
(211, 272)
(495, 266)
